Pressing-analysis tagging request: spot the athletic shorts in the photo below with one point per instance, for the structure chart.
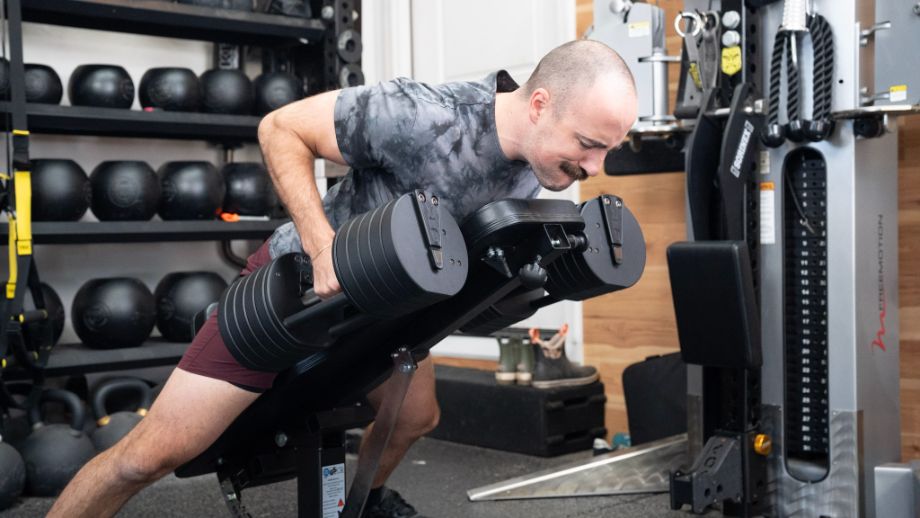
(208, 355)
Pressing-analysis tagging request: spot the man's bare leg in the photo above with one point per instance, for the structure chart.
(419, 415)
(190, 413)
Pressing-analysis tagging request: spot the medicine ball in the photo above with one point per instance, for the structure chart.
(105, 86)
(124, 190)
(275, 89)
(171, 89)
(113, 313)
(43, 85)
(55, 309)
(249, 189)
(180, 296)
(191, 190)
(4, 79)
(60, 190)
(226, 91)
(236, 5)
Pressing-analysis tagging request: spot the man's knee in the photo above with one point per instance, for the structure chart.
(419, 420)
(142, 459)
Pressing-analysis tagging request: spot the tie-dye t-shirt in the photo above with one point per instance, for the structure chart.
(403, 135)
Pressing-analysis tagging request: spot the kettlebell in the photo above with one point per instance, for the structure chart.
(12, 475)
(55, 452)
(112, 427)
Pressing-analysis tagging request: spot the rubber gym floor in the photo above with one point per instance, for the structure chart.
(434, 477)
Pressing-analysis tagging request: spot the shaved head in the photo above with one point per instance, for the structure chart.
(573, 67)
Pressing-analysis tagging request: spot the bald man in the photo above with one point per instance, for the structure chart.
(470, 142)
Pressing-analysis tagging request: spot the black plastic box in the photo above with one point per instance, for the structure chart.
(478, 411)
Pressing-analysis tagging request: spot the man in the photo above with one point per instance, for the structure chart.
(471, 143)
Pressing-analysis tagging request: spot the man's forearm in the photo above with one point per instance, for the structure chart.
(290, 164)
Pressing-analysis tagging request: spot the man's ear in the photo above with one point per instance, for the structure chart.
(539, 103)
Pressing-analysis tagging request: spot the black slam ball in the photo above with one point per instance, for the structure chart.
(104, 86)
(43, 85)
(170, 89)
(180, 296)
(124, 190)
(226, 91)
(60, 190)
(249, 189)
(114, 312)
(191, 190)
(275, 89)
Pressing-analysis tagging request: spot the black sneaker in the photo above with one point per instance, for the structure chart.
(386, 503)
(552, 369)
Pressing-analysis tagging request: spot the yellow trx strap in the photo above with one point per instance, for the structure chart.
(20, 224)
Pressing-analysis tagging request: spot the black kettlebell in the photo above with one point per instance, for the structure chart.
(12, 475)
(112, 427)
(113, 313)
(276, 89)
(191, 190)
(236, 5)
(43, 85)
(170, 89)
(55, 309)
(249, 189)
(226, 91)
(60, 190)
(55, 452)
(104, 86)
(124, 190)
(181, 295)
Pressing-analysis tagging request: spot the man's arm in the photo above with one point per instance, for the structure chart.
(291, 138)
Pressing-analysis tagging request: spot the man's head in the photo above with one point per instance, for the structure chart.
(581, 102)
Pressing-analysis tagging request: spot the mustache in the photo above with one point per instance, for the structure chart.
(574, 171)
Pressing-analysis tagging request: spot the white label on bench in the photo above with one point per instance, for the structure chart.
(333, 490)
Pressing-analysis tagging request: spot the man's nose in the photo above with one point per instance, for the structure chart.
(593, 162)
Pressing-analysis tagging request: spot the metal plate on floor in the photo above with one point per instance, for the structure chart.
(633, 470)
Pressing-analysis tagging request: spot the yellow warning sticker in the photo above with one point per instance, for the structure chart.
(897, 93)
(731, 60)
(695, 75)
(640, 29)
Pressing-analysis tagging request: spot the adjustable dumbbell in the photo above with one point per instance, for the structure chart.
(391, 261)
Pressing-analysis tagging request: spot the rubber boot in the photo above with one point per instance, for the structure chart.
(524, 370)
(508, 350)
(551, 367)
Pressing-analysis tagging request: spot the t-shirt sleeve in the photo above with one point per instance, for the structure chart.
(373, 124)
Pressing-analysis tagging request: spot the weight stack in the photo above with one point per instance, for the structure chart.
(476, 410)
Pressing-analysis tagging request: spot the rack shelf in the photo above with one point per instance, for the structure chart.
(159, 18)
(113, 122)
(68, 359)
(69, 233)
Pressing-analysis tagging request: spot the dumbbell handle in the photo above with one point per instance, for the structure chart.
(315, 307)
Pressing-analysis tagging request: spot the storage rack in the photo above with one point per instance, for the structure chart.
(321, 50)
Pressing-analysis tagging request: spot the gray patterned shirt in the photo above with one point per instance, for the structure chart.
(403, 135)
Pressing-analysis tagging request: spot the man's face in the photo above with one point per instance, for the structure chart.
(570, 145)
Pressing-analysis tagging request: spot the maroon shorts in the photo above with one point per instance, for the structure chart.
(208, 355)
